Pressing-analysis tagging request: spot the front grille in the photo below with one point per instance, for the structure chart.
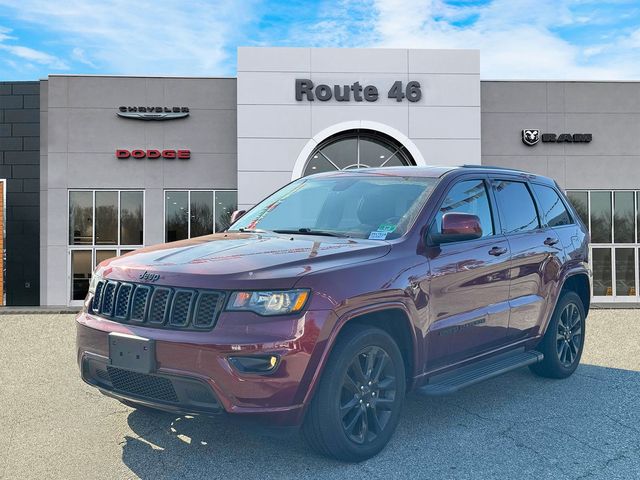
(142, 385)
(159, 307)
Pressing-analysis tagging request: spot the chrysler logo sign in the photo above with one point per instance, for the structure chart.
(152, 113)
(531, 136)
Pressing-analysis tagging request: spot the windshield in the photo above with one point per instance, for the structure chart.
(359, 206)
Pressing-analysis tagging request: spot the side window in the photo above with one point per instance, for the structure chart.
(469, 196)
(517, 209)
(552, 206)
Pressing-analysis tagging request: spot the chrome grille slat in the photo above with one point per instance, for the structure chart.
(139, 303)
(181, 307)
(123, 299)
(109, 297)
(157, 306)
(97, 296)
(208, 305)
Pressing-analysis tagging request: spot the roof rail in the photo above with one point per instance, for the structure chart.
(491, 167)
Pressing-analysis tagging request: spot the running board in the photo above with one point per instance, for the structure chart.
(450, 382)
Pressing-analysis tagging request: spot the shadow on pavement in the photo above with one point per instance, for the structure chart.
(518, 426)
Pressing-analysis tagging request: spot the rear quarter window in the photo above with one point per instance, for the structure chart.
(552, 206)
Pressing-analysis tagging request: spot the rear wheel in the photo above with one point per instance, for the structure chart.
(356, 407)
(563, 342)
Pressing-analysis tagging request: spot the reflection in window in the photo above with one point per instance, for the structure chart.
(131, 218)
(226, 203)
(601, 217)
(624, 217)
(81, 269)
(102, 255)
(625, 272)
(467, 197)
(602, 285)
(554, 210)
(580, 201)
(80, 218)
(517, 210)
(357, 149)
(106, 218)
(190, 214)
(201, 213)
(176, 216)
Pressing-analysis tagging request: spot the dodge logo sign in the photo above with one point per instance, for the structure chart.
(530, 136)
(153, 154)
(153, 113)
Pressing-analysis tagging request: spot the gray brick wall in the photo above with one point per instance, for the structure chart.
(19, 165)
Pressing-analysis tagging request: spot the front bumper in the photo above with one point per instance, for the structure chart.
(193, 373)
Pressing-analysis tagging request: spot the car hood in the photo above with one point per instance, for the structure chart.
(240, 260)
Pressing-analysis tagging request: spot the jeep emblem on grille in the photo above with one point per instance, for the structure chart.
(151, 277)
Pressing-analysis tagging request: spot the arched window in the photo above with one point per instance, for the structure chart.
(357, 149)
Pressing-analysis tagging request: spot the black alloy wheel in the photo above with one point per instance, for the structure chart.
(357, 403)
(563, 341)
(367, 395)
(569, 334)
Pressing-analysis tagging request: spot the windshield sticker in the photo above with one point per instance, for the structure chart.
(386, 227)
(378, 235)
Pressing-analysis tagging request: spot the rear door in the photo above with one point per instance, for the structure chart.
(468, 282)
(536, 253)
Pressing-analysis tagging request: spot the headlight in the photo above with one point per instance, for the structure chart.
(274, 302)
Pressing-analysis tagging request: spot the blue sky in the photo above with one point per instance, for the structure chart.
(548, 39)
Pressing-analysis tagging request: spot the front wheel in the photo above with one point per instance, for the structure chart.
(563, 341)
(356, 407)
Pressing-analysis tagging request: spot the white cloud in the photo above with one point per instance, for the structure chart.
(140, 37)
(516, 39)
(35, 56)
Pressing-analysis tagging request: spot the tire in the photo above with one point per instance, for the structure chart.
(563, 341)
(371, 399)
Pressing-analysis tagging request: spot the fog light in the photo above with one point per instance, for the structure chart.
(255, 363)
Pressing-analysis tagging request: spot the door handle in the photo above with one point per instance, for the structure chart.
(497, 251)
(551, 241)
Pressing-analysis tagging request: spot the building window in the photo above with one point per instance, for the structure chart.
(357, 149)
(193, 213)
(102, 224)
(613, 218)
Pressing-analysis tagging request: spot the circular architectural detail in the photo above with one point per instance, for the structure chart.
(358, 148)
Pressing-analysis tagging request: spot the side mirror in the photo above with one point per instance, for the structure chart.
(236, 215)
(457, 227)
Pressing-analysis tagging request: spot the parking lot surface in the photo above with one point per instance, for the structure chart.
(515, 426)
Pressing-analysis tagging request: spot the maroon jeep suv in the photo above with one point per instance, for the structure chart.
(329, 301)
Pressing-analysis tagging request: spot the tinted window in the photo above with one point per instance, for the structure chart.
(517, 210)
(580, 201)
(552, 206)
(467, 197)
(377, 207)
(601, 217)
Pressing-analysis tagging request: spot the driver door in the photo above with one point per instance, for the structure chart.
(468, 281)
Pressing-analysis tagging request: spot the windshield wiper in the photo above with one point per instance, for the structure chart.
(308, 231)
(250, 230)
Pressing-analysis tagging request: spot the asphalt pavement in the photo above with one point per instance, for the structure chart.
(517, 426)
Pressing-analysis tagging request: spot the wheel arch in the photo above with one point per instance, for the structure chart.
(579, 283)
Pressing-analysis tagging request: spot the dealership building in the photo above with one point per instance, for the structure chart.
(96, 166)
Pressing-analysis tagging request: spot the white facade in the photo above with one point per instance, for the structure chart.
(277, 133)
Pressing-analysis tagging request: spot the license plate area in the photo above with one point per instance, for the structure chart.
(132, 352)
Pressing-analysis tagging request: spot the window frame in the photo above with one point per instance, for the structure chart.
(526, 182)
(213, 196)
(497, 228)
(613, 246)
(93, 246)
